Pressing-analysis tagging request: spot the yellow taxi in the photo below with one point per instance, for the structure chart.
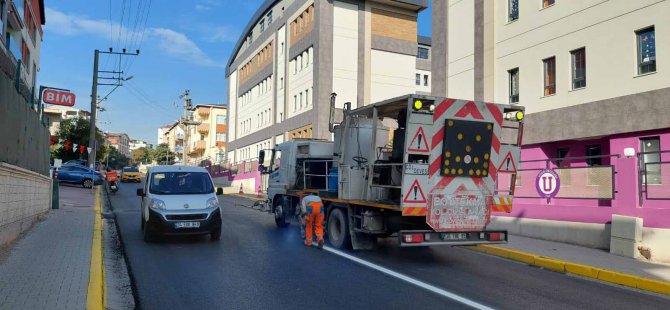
(130, 174)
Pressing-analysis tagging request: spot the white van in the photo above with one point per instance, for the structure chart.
(179, 200)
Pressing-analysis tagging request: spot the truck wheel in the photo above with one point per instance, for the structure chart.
(338, 229)
(280, 211)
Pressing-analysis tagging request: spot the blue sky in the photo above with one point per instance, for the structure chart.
(185, 45)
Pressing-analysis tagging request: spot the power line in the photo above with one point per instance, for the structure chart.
(141, 40)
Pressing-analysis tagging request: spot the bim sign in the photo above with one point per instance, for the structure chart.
(58, 97)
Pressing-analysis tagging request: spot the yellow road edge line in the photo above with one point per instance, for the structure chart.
(642, 283)
(95, 297)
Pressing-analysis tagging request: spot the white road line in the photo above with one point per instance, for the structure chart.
(410, 280)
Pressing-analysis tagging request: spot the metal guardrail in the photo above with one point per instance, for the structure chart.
(650, 185)
(577, 182)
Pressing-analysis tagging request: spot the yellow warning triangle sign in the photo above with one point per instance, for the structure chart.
(415, 194)
(419, 143)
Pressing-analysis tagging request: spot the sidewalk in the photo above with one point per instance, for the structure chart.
(586, 262)
(589, 256)
(48, 268)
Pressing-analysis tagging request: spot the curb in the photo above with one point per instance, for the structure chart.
(586, 271)
(246, 197)
(95, 297)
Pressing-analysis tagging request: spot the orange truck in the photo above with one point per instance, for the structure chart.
(425, 170)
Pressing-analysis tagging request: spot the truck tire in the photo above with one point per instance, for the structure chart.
(338, 229)
(281, 212)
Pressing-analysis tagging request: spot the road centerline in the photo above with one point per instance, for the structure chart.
(410, 280)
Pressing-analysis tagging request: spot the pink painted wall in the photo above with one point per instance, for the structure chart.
(655, 213)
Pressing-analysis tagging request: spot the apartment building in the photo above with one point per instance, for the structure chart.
(595, 81)
(206, 141)
(119, 141)
(294, 53)
(174, 138)
(135, 144)
(54, 115)
(21, 28)
(162, 138)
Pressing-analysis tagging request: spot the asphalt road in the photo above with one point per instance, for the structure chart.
(258, 266)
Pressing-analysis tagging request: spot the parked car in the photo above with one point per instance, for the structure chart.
(75, 174)
(130, 174)
(179, 200)
(82, 162)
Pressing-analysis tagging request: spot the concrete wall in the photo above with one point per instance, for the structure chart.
(24, 197)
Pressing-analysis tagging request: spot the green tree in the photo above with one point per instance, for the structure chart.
(76, 131)
(142, 155)
(115, 159)
(163, 155)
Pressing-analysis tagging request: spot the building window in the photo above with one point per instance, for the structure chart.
(281, 116)
(549, 76)
(578, 68)
(2, 20)
(422, 53)
(220, 137)
(513, 85)
(425, 80)
(593, 152)
(262, 24)
(513, 10)
(560, 154)
(301, 100)
(646, 50)
(651, 160)
(295, 102)
(281, 83)
(418, 79)
(269, 17)
(220, 119)
(306, 97)
(547, 3)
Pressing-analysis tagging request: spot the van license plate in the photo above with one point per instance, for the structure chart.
(453, 236)
(187, 225)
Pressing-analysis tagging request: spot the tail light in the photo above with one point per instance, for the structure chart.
(413, 238)
(495, 236)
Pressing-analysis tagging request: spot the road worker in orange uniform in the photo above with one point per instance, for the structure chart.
(313, 216)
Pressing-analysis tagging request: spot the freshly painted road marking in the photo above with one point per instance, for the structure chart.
(95, 297)
(410, 280)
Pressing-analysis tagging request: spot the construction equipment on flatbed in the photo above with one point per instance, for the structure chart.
(424, 169)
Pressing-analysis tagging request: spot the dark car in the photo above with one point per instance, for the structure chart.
(75, 174)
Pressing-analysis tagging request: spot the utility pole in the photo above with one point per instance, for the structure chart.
(94, 108)
(186, 121)
(116, 77)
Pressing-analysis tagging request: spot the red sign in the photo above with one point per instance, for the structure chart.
(58, 97)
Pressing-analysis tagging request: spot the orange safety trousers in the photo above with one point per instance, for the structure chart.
(314, 218)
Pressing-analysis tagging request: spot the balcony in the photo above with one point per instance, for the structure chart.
(200, 145)
(203, 111)
(203, 128)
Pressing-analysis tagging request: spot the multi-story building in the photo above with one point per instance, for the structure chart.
(162, 138)
(595, 81)
(21, 28)
(294, 53)
(174, 138)
(206, 141)
(56, 114)
(135, 144)
(119, 141)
